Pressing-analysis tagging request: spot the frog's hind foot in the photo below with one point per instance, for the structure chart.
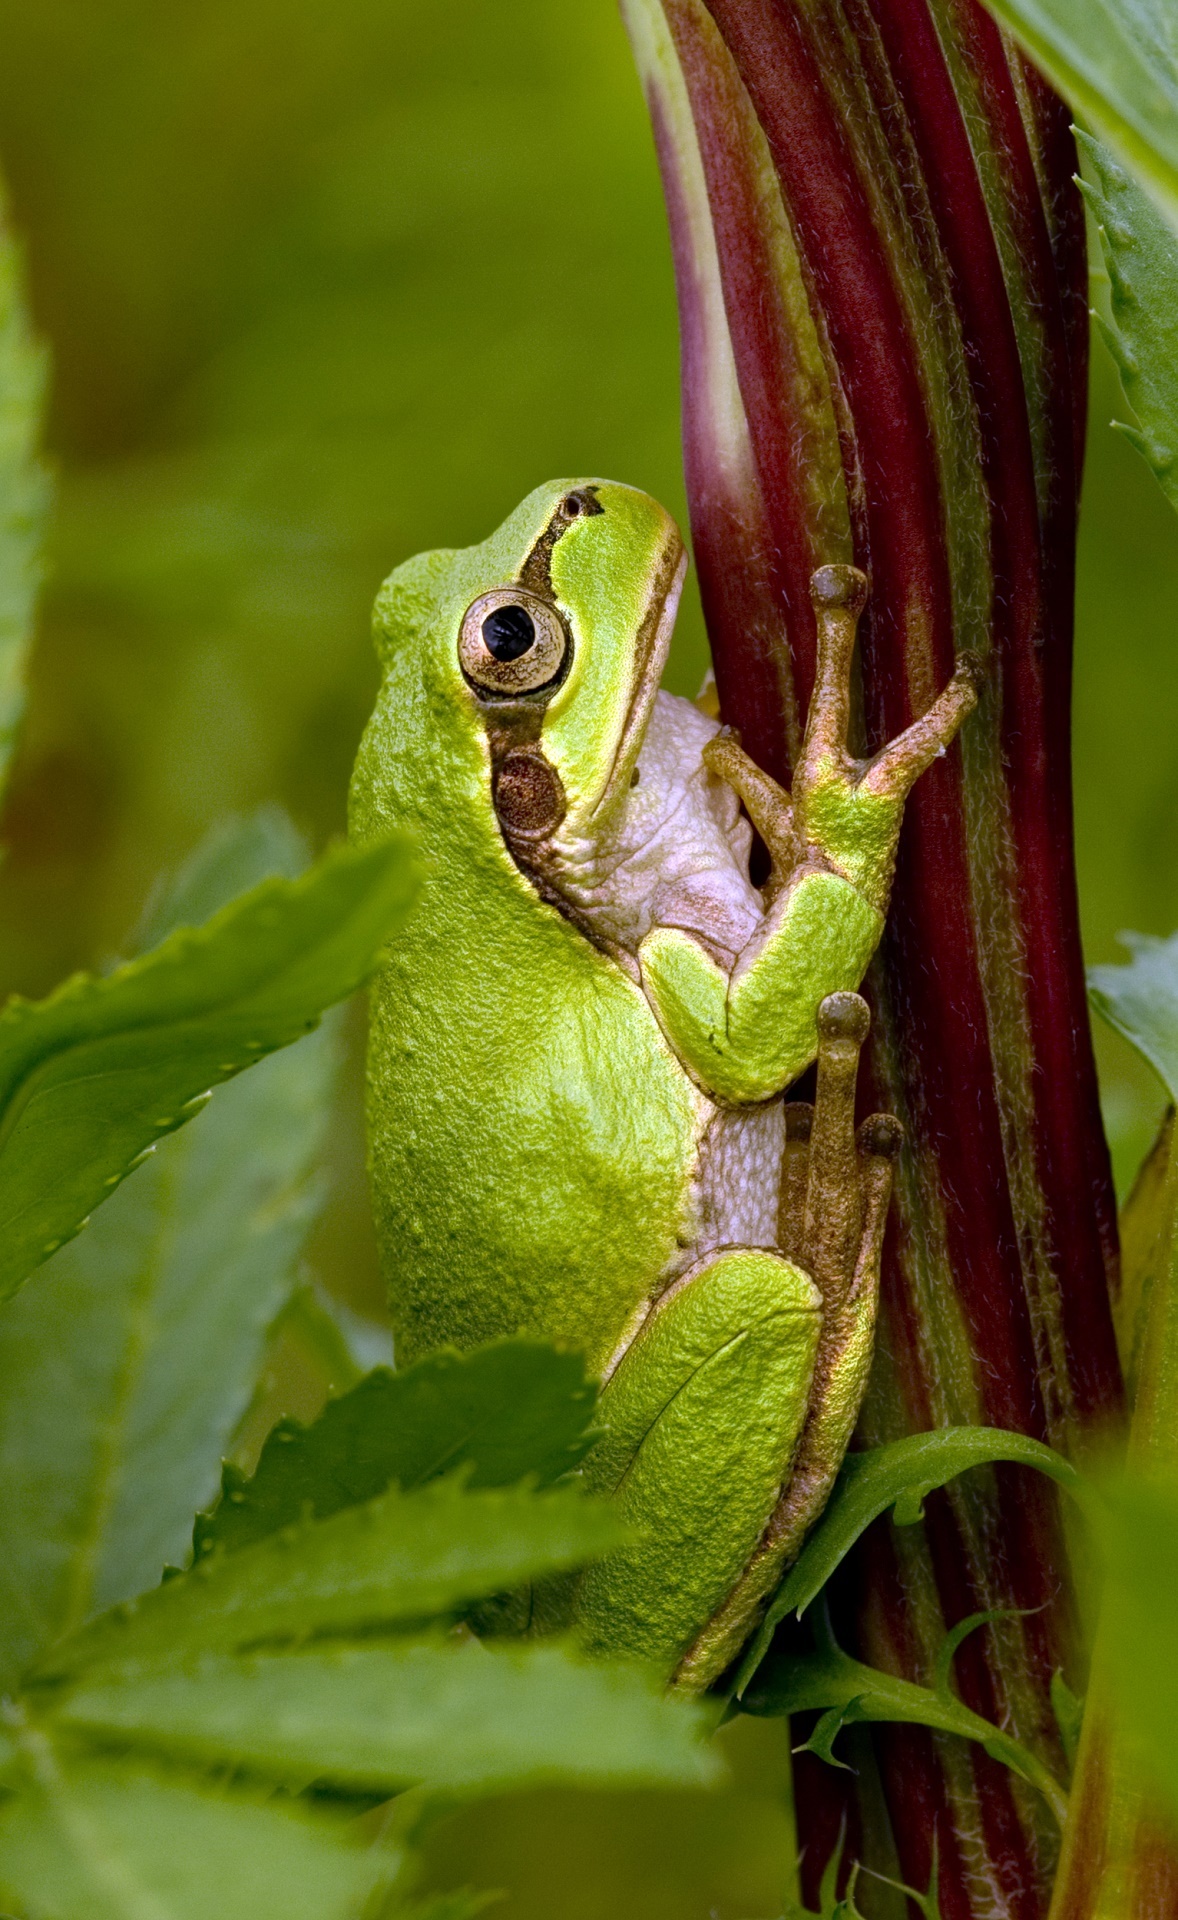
(835, 1188)
(833, 1216)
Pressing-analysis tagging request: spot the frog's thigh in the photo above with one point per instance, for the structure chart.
(701, 1418)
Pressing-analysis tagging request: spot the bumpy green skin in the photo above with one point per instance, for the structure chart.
(535, 1111)
(708, 1403)
(531, 1135)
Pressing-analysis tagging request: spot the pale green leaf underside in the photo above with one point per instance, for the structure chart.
(1116, 61)
(402, 1558)
(96, 1840)
(898, 1475)
(515, 1408)
(846, 1691)
(91, 1077)
(129, 1364)
(374, 1719)
(1141, 1001)
(24, 488)
(1141, 255)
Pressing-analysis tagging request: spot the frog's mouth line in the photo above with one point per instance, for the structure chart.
(651, 646)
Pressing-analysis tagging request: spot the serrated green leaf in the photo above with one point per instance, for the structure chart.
(446, 1714)
(128, 1366)
(1141, 256)
(511, 1409)
(401, 1558)
(91, 1077)
(898, 1475)
(1141, 1001)
(104, 1840)
(843, 1690)
(830, 1906)
(927, 1904)
(24, 487)
(1116, 61)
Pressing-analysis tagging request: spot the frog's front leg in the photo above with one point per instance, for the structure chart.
(743, 1384)
(748, 1031)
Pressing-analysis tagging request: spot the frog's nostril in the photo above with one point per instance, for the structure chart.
(580, 502)
(508, 632)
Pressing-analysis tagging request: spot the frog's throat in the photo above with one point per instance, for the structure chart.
(651, 645)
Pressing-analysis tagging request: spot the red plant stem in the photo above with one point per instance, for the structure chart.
(882, 278)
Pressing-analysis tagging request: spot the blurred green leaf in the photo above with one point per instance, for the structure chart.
(845, 1692)
(372, 1719)
(305, 323)
(1146, 1227)
(234, 856)
(24, 486)
(129, 1365)
(91, 1077)
(343, 1344)
(898, 1475)
(101, 1840)
(1117, 62)
(508, 1410)
(1141, 1001)
(1068, 1708)
(1141, 256)
(1139, 1628)
(401, 1558)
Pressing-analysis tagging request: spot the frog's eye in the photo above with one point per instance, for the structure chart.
(512, 642)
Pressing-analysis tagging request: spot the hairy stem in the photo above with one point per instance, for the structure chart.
(881, 271)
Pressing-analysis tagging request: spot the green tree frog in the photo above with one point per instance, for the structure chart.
(580, 1045)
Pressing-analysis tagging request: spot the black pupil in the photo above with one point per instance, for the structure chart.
(508, 632)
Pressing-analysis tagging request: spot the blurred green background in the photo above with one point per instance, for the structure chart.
(325, 284)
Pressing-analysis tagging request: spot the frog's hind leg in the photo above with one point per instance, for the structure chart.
(835, 1189)
(702, 1417)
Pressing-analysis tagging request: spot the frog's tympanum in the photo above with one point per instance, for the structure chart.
(581, 1043)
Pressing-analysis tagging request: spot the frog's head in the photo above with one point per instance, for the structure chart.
(551, 638)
